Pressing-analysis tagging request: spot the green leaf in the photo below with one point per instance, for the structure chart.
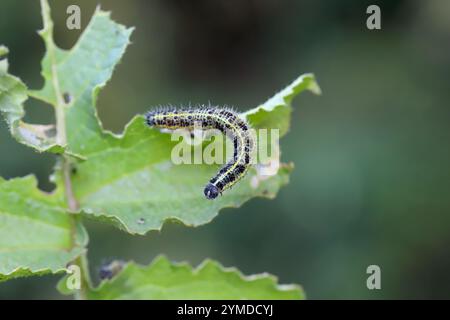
(73, 78)
(165, 280)
(275, 113)
(135, 186)
(37, 235)
(13, 94)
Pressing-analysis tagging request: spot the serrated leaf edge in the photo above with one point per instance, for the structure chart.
(204, 264)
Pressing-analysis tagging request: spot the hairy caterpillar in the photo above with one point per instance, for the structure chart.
(223, 119)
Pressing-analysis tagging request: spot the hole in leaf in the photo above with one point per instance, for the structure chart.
(39, 112)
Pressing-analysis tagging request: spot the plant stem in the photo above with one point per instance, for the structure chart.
(61, 139)
(72, 203)
(82, 262)
(66, 169)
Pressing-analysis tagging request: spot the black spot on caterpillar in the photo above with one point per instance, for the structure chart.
(223, 119)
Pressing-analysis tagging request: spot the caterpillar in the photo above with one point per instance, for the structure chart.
(225, 120)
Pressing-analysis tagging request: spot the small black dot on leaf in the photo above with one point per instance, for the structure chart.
(141, 221)
(67, 97)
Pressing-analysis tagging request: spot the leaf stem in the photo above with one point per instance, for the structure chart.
(82, 262)
(72, 202)
(61, 138)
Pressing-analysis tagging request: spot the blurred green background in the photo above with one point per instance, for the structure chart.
(372, 179)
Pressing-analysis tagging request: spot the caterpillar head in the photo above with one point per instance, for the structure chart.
(150, 118)
(211, 191)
